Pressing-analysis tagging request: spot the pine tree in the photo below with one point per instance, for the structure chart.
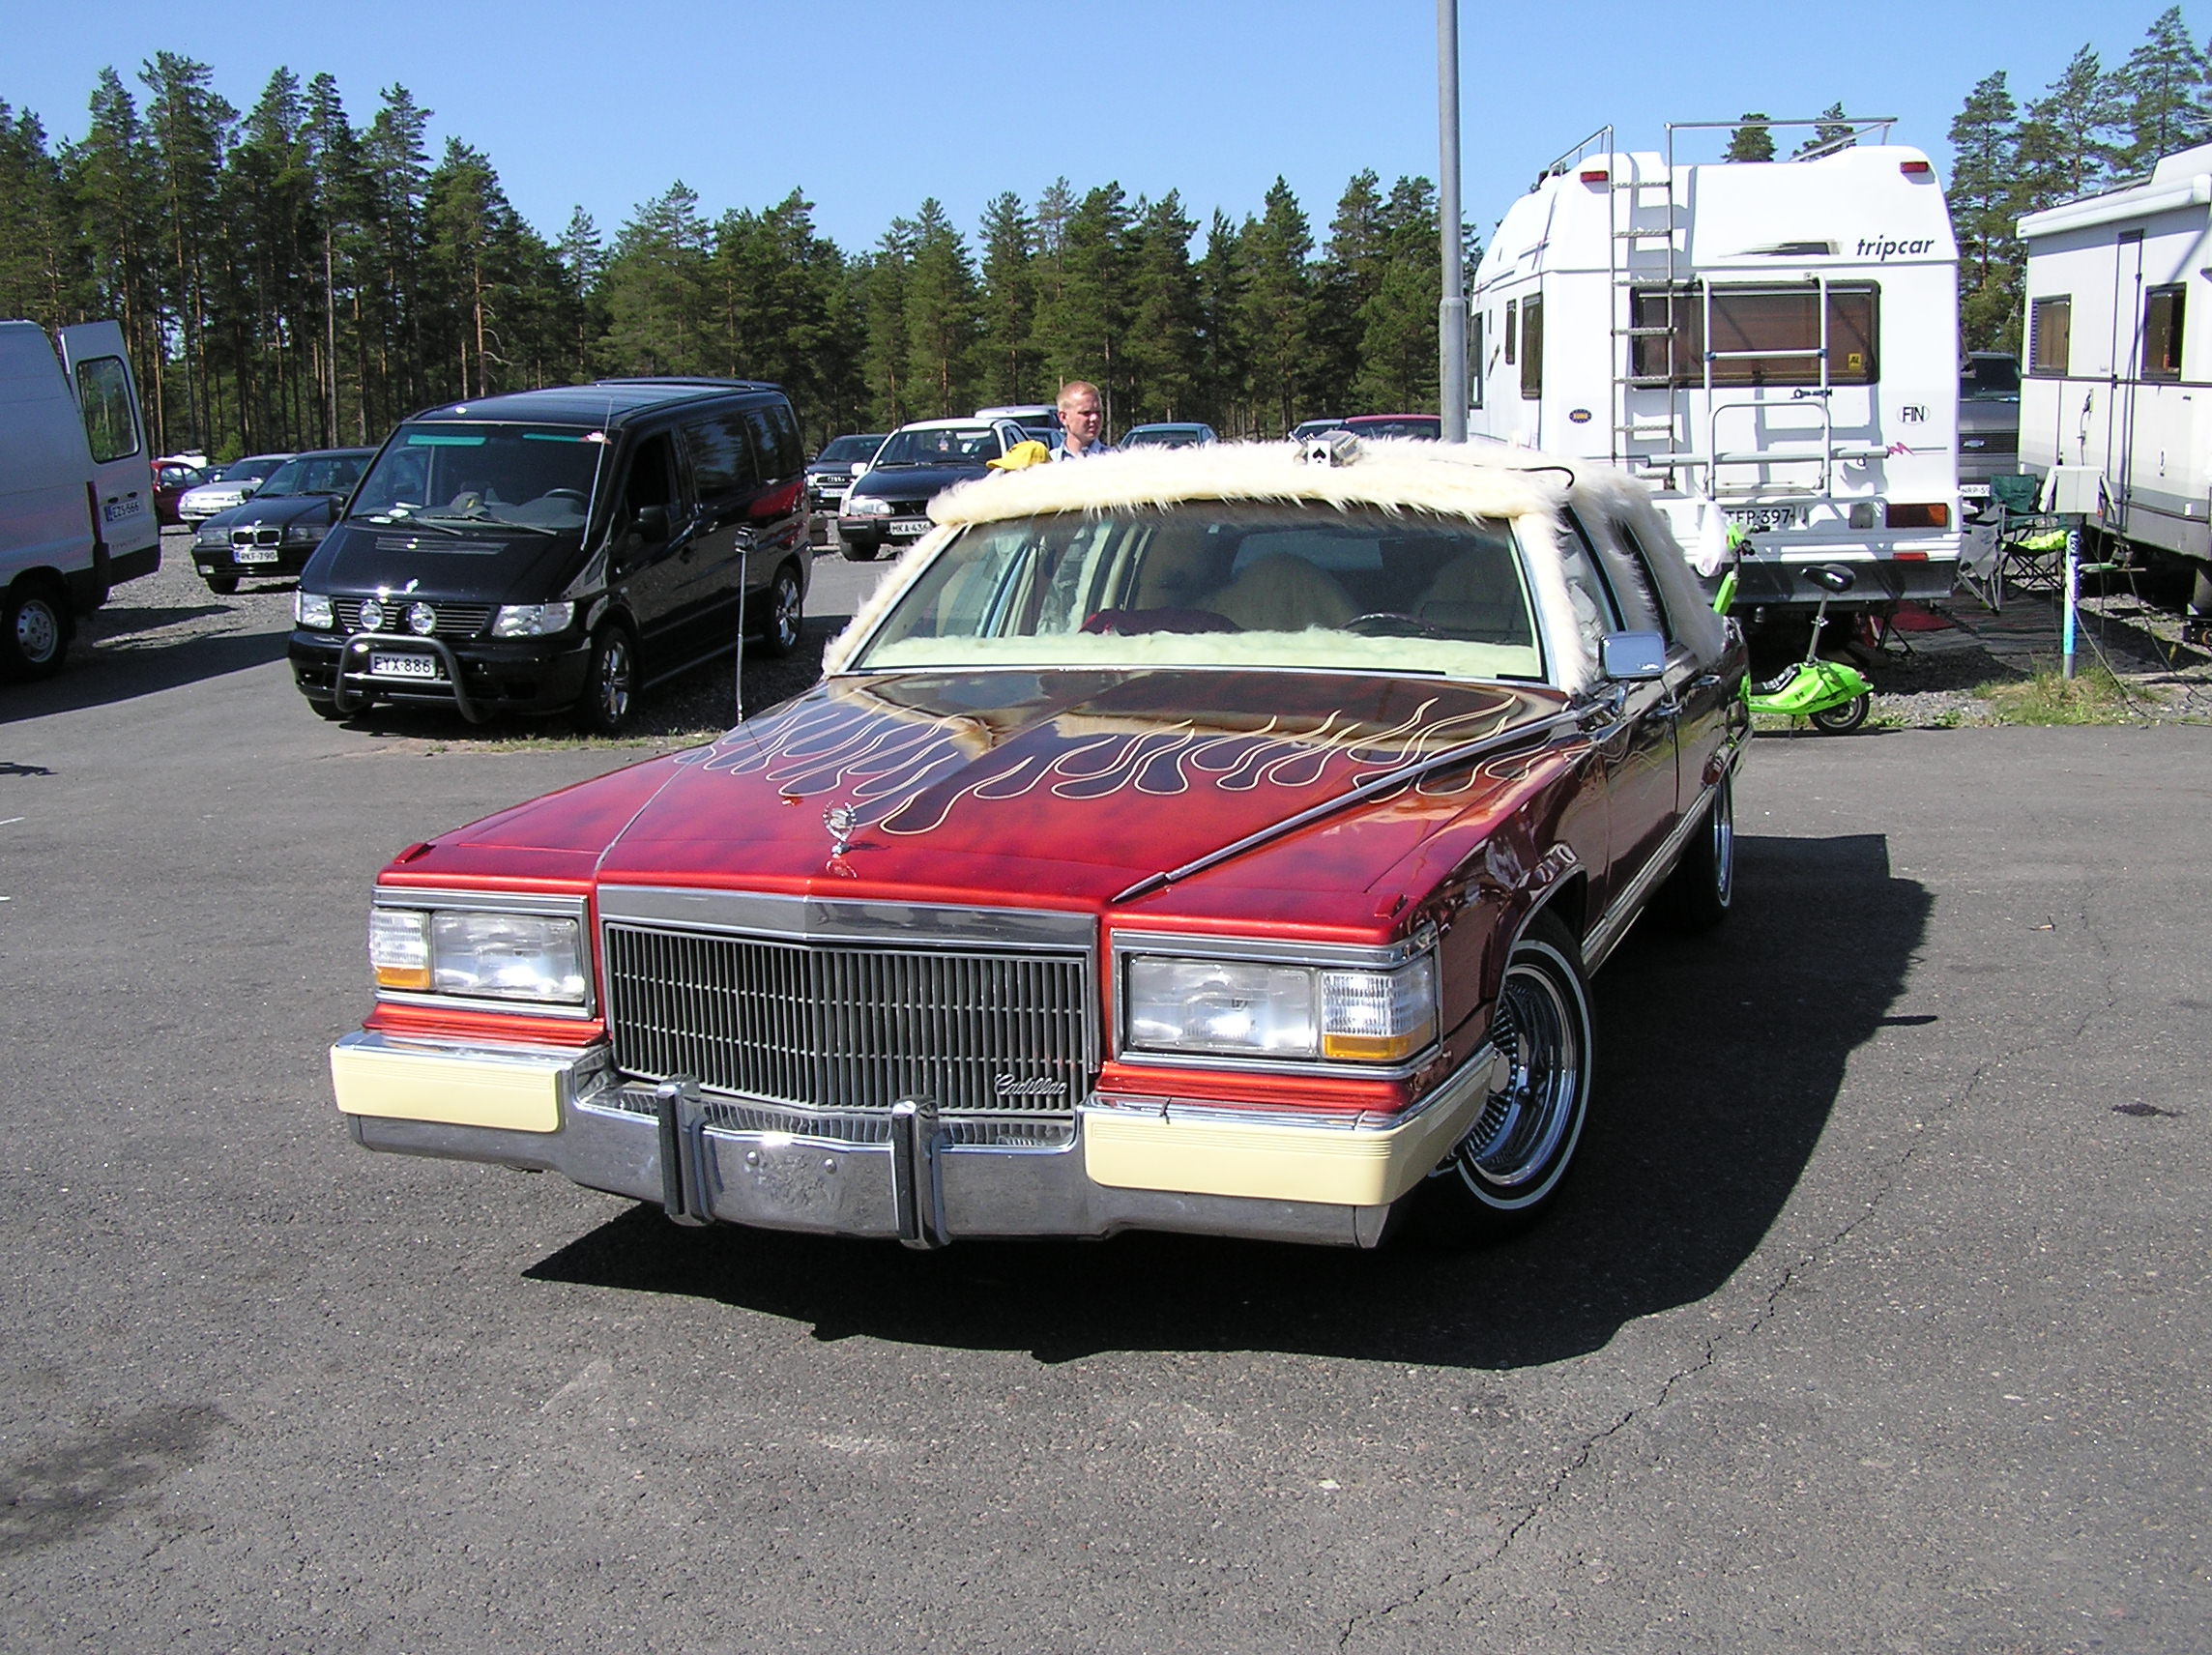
(1833, 132)
(941, 314)
(1277, 308)
(1985, 202)
(1398, 366)
(189, 127)
(2066, 141)
(1160, 352)
(1224, 357)
(2161, 93)
(395, 377)
(1351, 271)
(882, 294)
(111, 177)
(658, 290)
(1754, 140)
(36, 274)
(1007, 360)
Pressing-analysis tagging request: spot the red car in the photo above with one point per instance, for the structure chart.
(1422, 427)
(1202, 839)
(171, 477)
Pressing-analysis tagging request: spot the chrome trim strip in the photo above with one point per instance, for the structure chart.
(1218, 1063)
(817, 920)
(583, 1071)
(574, 908)
(1605, 936)
(1521, 735)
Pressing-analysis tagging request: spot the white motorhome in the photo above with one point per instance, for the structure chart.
(2118, 370)
(1780, 338)
(77, 488)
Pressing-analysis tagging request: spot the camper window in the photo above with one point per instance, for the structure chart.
(1532, 346)
(2049, 334)
(1751, 321)
(1475, 355)
(2162, 333)
(1512, 328)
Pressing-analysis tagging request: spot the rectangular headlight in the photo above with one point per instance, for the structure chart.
(314, 609)
(532, 620)
(536, 957)
(1246, 1009)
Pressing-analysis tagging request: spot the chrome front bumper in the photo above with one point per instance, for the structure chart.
(913, 1178)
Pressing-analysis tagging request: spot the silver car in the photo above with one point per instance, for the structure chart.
(229, 486)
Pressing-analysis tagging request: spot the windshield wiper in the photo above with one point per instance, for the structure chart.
(483, 523)
(388, 520)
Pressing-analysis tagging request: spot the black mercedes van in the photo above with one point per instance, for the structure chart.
(558, 549)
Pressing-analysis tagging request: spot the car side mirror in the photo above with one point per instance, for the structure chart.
(1633, 655)
(651, 523)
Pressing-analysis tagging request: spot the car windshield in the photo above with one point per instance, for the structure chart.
(246, 470)
(1163, 436)
(451, 474)
(843, 451)
(1222, 583)
(940, 445)
(315, 473)
(1991, 379)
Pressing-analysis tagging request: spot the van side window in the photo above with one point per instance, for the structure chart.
(2162, 333)
(2051, 334)
(792, 445)
(652, 479)
(767, 443)
(104, 392)
(721, 460)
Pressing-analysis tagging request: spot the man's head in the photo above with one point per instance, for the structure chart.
(1080, 412)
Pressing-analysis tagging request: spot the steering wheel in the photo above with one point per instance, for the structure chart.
(1392, 624)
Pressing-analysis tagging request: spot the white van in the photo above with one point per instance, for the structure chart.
(76, 486)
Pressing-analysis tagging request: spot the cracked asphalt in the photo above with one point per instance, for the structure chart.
(1874, 1319)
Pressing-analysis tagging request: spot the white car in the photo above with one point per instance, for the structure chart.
(230, 486)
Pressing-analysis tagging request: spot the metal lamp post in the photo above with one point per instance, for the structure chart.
(1452, 309)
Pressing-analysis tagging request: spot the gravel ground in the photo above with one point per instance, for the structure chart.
(1927, 679)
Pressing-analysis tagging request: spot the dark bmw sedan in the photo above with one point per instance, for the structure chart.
(888, 503)
(277, 530)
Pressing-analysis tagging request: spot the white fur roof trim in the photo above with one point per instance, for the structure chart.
(1484, 480)
(1424, 477)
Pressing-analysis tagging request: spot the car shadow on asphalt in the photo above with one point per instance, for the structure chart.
(1720, 1059)
(103, 675)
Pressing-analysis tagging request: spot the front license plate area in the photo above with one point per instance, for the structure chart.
(1759, 519)
(254, 554)
(404, 666)
(909, 525)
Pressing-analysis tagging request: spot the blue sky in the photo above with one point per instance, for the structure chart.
(873, 106)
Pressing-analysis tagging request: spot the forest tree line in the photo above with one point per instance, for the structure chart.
(287, 277)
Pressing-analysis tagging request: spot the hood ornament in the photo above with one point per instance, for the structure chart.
(838, 819)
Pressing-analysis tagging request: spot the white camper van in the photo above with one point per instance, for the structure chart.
(76, 486)
(2119, 361)
(1780, 338)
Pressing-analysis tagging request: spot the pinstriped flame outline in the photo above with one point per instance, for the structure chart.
(883, 760)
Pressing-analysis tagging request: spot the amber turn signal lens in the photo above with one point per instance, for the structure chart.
(1931, 516)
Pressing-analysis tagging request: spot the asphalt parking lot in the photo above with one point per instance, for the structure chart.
(1874, 1319)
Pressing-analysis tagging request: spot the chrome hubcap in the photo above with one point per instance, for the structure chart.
(1524, 1122)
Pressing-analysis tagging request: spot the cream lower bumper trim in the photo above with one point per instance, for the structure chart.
(1216, 1151)
(514, 1089)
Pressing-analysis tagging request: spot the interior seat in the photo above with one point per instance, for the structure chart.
(1476, 595)
(1283, 594)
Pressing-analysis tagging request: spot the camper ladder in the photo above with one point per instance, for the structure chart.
(1634, 270)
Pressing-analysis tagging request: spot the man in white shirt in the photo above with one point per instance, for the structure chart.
(1082, 422)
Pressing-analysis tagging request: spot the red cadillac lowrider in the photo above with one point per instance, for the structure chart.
(1208, 839)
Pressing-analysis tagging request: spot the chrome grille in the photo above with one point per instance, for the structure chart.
(455, 620)
(838, 1027)
(258, 535)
